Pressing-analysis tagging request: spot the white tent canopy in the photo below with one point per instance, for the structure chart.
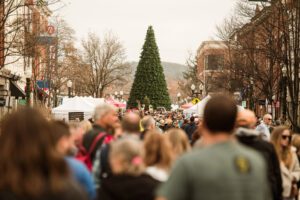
(198, 109)
(77, 104)
(174, 107)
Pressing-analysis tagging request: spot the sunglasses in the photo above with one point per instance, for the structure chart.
(284, 137)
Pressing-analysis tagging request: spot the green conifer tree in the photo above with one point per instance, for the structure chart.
(146, 102)
(149, 77)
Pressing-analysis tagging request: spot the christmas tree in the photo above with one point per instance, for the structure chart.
(149, 77)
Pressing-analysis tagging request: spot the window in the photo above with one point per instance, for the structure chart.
(214, 62)
(76, 116)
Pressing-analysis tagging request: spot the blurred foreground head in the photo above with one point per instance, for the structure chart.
(126, 157)
(158, 150)
(246, 119)
(131, 123)
(220, 115)
(106, 116)
(29, 162)
(148, 123)
(267, 119)
(65, 144)
(179, 141)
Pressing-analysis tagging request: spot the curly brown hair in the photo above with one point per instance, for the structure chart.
(29, 163)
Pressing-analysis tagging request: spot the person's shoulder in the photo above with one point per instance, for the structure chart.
(259, 126)
(148, 178)
(157, 173)
(123, 179)
(88, 135)
(294, 154)
(71, 190)
(73, 161)
(222, 149)
(199, 159)
(230, 148)
(76, 165)
(95, 130)
(265, 145)
(195, 155)
(250, 153)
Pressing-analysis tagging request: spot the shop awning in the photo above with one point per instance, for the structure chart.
(16, 91)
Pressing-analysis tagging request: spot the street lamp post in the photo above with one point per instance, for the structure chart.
(201, 88)
(28, 74)
(194, 92)
(69, 85)
(251, 94)
(284, 85)
(56, 97)
(100, 88)
(116, 95)
(193, 87)
(121, 94)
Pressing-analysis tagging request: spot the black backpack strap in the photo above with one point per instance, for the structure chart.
(104, 163)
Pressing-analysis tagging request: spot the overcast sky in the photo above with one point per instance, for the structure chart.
(180, 25)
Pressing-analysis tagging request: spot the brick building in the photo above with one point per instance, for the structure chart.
(211, 58)
(255, 48)
(22, 56)
(264, 50)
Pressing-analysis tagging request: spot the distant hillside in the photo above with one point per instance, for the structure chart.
(171, 70)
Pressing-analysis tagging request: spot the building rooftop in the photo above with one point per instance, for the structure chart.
(213, 44)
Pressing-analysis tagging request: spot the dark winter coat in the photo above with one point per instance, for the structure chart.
(126, 187)
(190, 129)
(90, 136)
(273, 166)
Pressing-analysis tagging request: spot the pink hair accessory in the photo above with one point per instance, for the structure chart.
(137, 160)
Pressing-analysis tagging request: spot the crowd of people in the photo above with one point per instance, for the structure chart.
(225, 154)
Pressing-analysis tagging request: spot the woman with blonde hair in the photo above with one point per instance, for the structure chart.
(129, 180)
(179, 141)
(289, 164)
(86, 126)
(158, 156)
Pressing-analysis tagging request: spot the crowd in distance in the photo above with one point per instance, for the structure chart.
(224, 154)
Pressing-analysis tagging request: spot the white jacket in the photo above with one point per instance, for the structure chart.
(157, 173)
(288, 174)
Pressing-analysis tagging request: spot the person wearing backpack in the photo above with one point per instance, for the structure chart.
(105, 117)
(130, 127)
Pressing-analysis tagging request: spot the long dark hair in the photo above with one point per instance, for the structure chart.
(29, 163)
